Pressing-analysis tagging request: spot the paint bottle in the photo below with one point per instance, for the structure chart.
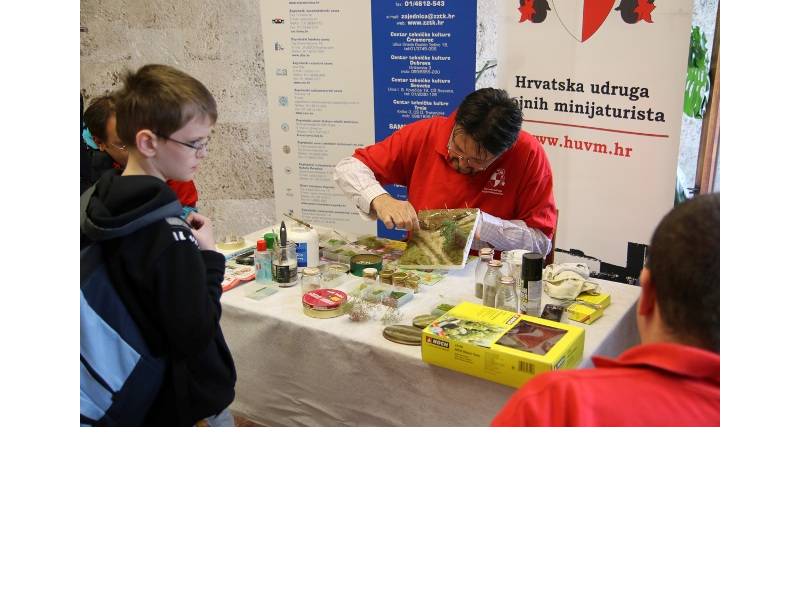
(307, 245)
(480, 270)
(490, 282)
(530, 300)
(263, 262)
(284, 261)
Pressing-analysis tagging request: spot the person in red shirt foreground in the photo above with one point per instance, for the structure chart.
(672, 378)
(478, 157)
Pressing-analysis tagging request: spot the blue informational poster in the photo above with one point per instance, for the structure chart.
(423, 65)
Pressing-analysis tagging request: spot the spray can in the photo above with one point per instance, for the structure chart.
(530, 301)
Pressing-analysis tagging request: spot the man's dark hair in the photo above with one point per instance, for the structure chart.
(684, 266)
(162, 99)
(491, 118)
(97, 115)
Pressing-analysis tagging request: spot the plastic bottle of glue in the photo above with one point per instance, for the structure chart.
(307, 241)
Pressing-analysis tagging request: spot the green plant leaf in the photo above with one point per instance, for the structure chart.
(698, 83)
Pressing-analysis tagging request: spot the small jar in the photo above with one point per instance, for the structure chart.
(386, 276)
(400, 279)
(310, 279)
(413, 282)
(370, 273)
(332, 272)
(491, 281)
(506, 297)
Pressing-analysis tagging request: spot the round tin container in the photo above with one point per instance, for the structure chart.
(324, 303)
(386, 275)
(362, 261)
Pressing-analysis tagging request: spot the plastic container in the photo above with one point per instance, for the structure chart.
(262, 259)
(307, 245)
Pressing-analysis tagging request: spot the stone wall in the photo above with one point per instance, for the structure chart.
(219, 43)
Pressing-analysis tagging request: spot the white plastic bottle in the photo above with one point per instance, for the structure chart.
(307, 243)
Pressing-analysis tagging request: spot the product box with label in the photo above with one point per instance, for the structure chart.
(583, 313)
(601, 300)
(501, 346)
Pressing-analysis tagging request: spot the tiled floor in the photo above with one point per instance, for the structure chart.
(244, 422)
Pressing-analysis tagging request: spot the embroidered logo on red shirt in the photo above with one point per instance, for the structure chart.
(495, 183)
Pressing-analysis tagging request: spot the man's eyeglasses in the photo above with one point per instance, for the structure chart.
(478, 165)
(196, 146)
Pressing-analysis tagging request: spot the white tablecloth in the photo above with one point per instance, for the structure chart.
(297, 370)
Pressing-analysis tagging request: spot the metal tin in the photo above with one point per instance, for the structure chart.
(324, 303)
(403, 334)
(362, 261)
(422, 321)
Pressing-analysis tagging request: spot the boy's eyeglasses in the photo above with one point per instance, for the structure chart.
(196, 146)
(122, 148)
(478, 165)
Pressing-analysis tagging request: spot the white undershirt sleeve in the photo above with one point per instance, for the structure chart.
(511, 235)
(358, 183)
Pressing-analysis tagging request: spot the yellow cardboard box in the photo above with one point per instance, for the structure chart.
(501, 346)
(601, 300)
(583, 313)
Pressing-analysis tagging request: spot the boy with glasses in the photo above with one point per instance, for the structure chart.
(478, 157)
(167, 273)
(110, 153)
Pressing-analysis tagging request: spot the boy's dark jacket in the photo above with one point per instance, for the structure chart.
(172, 289)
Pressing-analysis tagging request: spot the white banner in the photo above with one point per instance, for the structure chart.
(318, 57)
(601, 85)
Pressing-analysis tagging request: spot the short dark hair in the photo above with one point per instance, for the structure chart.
(162, 99)
(491, 118)
(684, 266)
(97, 115)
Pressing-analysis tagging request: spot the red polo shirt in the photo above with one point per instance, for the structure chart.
(185, 190)
(652, 385)
(518, 185)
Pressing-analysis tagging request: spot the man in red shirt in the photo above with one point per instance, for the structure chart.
(672, 378)
(478, 157)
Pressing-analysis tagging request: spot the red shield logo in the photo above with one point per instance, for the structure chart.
(583, 18)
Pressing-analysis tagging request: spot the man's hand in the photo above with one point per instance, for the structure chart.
(202, 230)
(395, 213)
